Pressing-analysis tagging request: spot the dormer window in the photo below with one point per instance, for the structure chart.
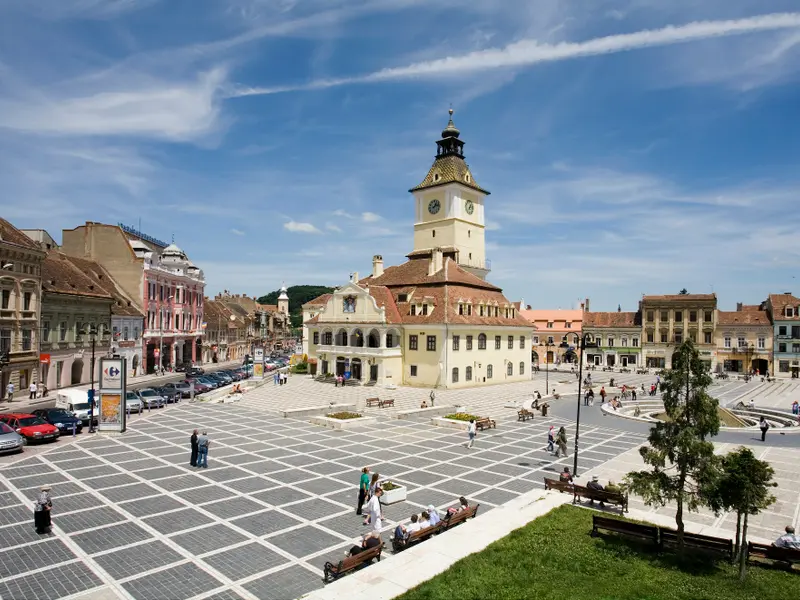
(402, 297)
(460, 308)
(480, 310)
(413, 309)
(467, 178)
(549, 324)
(436, 177)
(789, 311)
(425, 309)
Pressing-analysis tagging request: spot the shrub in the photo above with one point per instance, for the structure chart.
(300, 368)
(462, 417)
(343, 415)
(387, 486)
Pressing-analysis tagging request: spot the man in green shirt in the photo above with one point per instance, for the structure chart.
(363, 486)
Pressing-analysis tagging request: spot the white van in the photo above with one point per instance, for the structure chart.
(77, 402)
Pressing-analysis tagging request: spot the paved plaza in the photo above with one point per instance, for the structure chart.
(133, 519)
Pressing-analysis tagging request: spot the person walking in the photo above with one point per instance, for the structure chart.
(10, 391)
(561, 442)
(602, 395)
(193, 444)
(41, 511)
(32, 389)
(374, 511)
(433, 398)
(551, 439)
(764, 426)
(202, 450)
(363, 488)
(374, 486)
(471, 432)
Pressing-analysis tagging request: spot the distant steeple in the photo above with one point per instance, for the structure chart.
(450, 144)
(619, 308)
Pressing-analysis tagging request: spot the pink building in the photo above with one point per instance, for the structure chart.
(556, 338)
(168, 287)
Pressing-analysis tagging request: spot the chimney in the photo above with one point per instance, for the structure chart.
(437, 262)
(586, 304)
(377, 266)
(739, 307)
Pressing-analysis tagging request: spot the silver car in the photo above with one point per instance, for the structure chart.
(132, 403)
(151, 398)
(10, 440)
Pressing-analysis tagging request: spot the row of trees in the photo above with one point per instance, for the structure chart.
(683, 467)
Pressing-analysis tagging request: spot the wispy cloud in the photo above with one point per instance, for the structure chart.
(237, 231)
(343, 213)
(370, 217)
(333, 227)
(83, 9)
(297, 227)
(530, 52)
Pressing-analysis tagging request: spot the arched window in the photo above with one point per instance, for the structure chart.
(522, 368)
(482, 341)
(327, 338)
(341, 338)
(489, 370)
(455, 374)
(468, 376)
(510, 369)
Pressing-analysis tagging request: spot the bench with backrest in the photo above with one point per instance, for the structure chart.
(669, 537)
(485, 423)
(557, 484)
(616, 498)
(415, 537)
(373, 402)
(351, 563)
(385, 403)
(776, 554)
(524, 414)
(627, 528)
(451, 520)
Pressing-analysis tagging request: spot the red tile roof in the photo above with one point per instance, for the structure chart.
(745, 317)
(319, 300)
(61, 276)
(612, 319)
(123, 305)
(779, 302)
(12, 235)
(415, 272)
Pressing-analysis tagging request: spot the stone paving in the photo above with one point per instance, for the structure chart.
(276, 502)
(134, 520)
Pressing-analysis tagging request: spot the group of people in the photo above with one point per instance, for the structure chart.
(557, 441)
(35, 390)
(199, 445)
(279, 378)
(427, 518)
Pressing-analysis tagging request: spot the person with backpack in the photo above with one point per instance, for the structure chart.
(202, 450)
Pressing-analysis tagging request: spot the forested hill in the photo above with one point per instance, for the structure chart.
(298, 295)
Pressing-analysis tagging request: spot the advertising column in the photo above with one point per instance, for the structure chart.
(112, 395)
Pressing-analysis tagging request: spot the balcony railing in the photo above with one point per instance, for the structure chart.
(360, 350)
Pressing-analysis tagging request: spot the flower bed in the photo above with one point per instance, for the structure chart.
(462, 417)
(344, 415)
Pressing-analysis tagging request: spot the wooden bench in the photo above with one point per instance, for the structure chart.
(636, 530)
(351, 563)
(459, 517)
(524, 415)
(669, 537)
(385, 403)
(415, 537)
(784, 556)
(557, 484)
(615, 498)
(485, 423)
(373, 402)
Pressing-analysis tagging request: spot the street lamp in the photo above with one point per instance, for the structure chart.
(584, 337)
(548, 344)
(92, 331)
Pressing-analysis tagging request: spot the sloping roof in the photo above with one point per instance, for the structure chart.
(415, 272)
(612, 319)
(779, 303)
(680, 297)
(570, 315)
(123, 306)
(61, 276)
(12, 235)
(318, 301)
(451, 169)
(216, 315)
(748, 317)
(383, 297)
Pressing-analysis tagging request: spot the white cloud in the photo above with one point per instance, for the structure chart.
(237, 231)
(492, 226)
(333, 227)
(528, 52)
(297, 227)
(342, 213)
(132, 104)
(370, 217)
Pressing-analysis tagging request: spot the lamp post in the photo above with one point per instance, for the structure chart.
(582, 348)
(92, 331)
(548, 344)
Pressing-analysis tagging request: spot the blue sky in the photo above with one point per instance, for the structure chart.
(631, 146)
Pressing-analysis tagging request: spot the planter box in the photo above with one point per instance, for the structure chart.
(316, 411)
(437, 411)
(450, 423)
(342, 423)
(396, 495)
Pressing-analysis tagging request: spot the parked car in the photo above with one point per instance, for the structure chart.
(194, 371)
(61, 418)
(212, 383)
(151, 398)
(222, 376)
(199, 386)
(10, 440)
(31, 427)
(181, 387)
(133, 404)
(170, 395)
(77, 402)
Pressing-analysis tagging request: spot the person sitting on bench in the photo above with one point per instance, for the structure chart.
(401, 533)
(370, 541)
(613, 488)
(788, 539)
(433, 514)
(594, 484)
(565, 476)
(463, 505)
(414, 525)
(425, 520)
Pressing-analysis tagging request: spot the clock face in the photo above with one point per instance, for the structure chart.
(470, 207)
(433, 207)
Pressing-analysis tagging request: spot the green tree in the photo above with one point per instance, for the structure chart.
(298, 295)
(743, 486)
(681, 458)
(684, 292)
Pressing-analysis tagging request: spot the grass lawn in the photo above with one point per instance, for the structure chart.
(555, 558)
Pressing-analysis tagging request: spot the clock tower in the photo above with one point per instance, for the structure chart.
(449, 207)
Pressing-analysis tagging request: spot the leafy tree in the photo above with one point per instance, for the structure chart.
(684, 292)
(681, 458)
(742, 485)
(298, 295)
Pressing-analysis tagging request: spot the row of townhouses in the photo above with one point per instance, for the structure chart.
(112, 290)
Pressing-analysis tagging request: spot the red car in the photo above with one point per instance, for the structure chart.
(30, 427)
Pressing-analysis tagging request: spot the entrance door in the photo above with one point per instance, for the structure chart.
(355, 369)
(597, 360)
(373, 372)
(340, 368)
(624, 361)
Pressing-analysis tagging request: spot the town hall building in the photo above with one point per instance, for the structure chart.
(433, 321)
